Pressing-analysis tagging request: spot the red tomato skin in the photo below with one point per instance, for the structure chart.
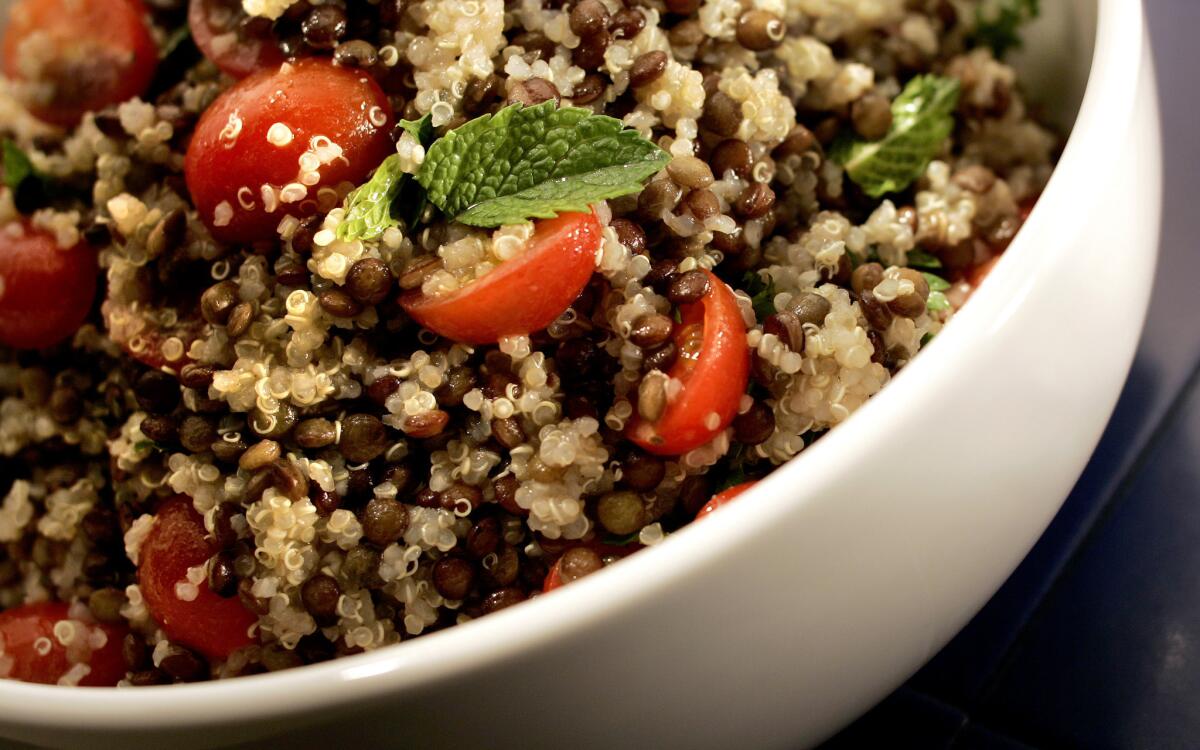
(106, 53)
(712, 384)
(146, 345)
(46, 292)
(214, 626)
(553, 579)
(21, 626)
(723, 498)
(522, 295)
(241, 58)
(229, 150)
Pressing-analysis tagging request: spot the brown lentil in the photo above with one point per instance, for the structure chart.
(760, 30)
(183, 665)
(647, 67)
(218, 302)
(338, 303)
(651, 329)
(732, 155)
(877, 313)
(534, 91)
(368, 281)
(324, 501)
(259, 455)
(589, 89)
(498, 600)
(484, 538)
(788, 328)
(106, 604)
(589, 55)
(384, 521)
(810, 308)
(661, 358)
(503, 571)
(160, 429)
(621, 513)
(871, 116)
(355, 53)
(578, 562)
(755, 425)
(690, 172)
(240, 319)
(688, 287)
(627, 23)
(866, 277)
(702, 204)
(756, 200)
(222, 579)
(196, 376)
(630, 235)
(324, 26)
(364, 437)
(315, 433)
(320, 596)
(196, 433)
(722, 114)
(508, 432)
(453, 577)
(658, 196)
(418, 270)
(799, 141)
(588, 17)
(643, 472)
(652, 397)
(66, 405)
(682, 7)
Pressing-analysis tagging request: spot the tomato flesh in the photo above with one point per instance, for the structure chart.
(217, 30)
(723, 498)
(45, 292)
(280, 141)
(713, 376)
(76, 56)
(522, 295)
(27, 639)
(214, 626)
(145, 341)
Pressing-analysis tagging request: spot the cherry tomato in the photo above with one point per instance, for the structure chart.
(980, 272)
(214, 626)
(556, 548)
(522, 295)
(713, 366)
(45, 291)
(28, 639)
(280, 142)
(147, 342)
(76, 56)
(220, 30)
(723, 498)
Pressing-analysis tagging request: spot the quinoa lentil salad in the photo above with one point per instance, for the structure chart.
(328, 324)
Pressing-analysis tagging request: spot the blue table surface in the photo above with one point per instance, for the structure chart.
(1094, 641)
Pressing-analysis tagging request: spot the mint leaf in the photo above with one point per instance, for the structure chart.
(17, 167)
(937, 302)
(172, 42)
(936, 283)
(997, 24)
(762, 294)
(922, 259)
(922, 118)
(535, 162)
(382, 201)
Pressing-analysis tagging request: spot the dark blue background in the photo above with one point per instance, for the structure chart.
(1094, 641)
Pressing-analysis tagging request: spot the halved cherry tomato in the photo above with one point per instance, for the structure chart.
(220, 30)
(213, 626)
(147, 342)
(27, 638)
(722, 498)
(45, 291)
(522, 295)
(76, 56)
(280, 141)
(713, 366)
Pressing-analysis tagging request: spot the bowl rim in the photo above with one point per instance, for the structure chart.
(456, 652)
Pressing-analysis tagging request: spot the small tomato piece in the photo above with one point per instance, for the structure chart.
(146, 341)
(281, 142)
(214, 626)
(522, 295)
(28, 640)
(723, 498)
(219, 31)
(75, 56)
(713, 367)
(46, 292)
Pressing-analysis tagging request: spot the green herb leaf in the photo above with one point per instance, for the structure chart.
(173, 40)
(383, 201)
(922, 259)
(937, 302)
(926, 339)
(762, 294)
(30, 188)
(621, 541)
(146, 445)
(922, 117)
(535, 162)
(17, 167)
(998, 24)
(936, 283)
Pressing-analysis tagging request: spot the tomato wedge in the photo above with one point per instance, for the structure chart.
(45, 291)
(280, 142)
(76, 56)
(218, 30)
(723, 498)
(27, 638)
(522, 295)
(714, 377)
(213, 626)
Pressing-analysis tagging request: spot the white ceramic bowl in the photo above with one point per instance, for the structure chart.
(827, 586)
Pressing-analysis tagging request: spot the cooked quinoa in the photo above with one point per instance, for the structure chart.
(363, 481)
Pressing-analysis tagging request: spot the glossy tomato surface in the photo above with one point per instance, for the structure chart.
(713, 378)
(280, 142)
(218, 31)
(28, 639)
(723, 498)
(522, 295)
(45, 291)
(76, 56)
(214, 626)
